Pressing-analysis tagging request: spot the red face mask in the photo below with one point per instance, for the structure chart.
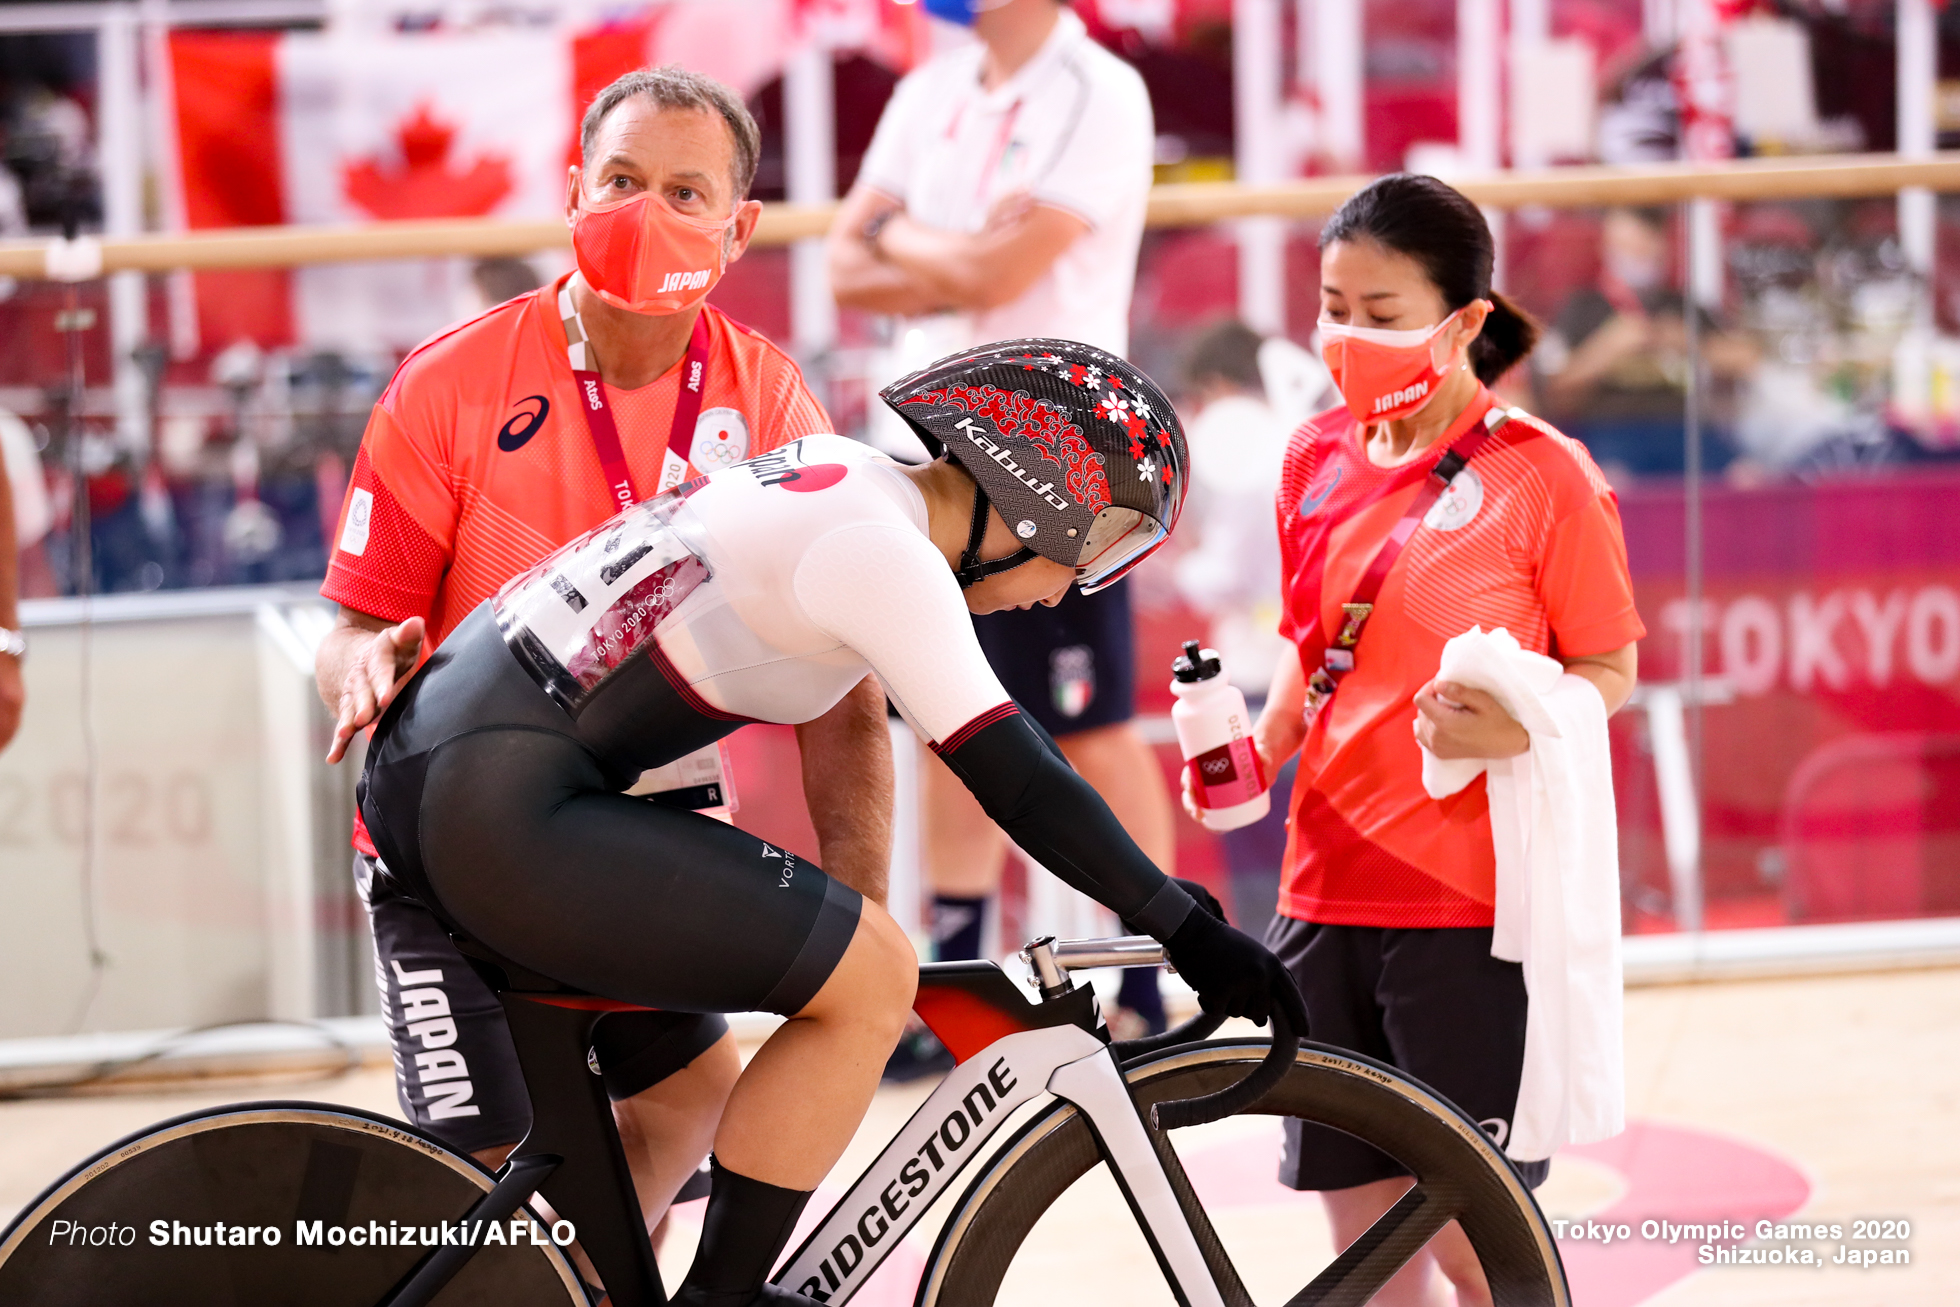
(1384, 375)
(641, 256)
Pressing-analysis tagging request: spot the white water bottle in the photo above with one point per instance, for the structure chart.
(1214, 733)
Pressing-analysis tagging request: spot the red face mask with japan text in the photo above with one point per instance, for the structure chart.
(1384, 375)
(641, 256)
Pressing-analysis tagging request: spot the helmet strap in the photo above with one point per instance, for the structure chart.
(971, 570)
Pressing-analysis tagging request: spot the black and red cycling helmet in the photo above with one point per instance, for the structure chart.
(1079, 452)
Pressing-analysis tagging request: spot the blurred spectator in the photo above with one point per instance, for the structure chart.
(48, 147)
(13, 205)
(1244, 395)
(1640, 115)
(13, 210)
(13, 695)
(1003, 196)
(504, 278)
(33, 510)
(1613, 368)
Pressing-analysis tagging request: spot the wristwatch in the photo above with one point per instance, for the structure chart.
(13, 642)
(869, 232)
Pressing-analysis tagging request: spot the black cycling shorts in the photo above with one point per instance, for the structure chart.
(516, 835)
(456, 1071)
(1071, 667)
(1431, 1002)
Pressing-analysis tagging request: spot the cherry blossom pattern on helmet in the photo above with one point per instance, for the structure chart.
(1079, 451)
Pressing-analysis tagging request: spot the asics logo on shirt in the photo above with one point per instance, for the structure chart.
(513, 435)
(1397, 398)
(1310, 502)
(683, 281)
(977, 435)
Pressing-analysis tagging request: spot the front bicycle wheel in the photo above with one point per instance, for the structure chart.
(301, 1204)
(1460, 1175)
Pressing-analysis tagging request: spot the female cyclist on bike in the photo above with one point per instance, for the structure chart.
(765, 592)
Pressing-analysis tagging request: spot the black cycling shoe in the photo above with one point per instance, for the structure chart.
(747, 1224)
(919, 1054)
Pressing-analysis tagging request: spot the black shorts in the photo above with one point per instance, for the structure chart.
(458, 1078)
(1071, 667)
(516, 834)
(1433, 1003)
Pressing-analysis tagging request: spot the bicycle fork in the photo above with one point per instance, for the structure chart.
(1153, 1182)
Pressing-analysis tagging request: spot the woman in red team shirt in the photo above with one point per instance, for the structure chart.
(1386, 902)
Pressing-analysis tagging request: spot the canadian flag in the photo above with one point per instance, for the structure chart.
(363, 123)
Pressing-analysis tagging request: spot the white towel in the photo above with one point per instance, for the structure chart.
(1558, 887)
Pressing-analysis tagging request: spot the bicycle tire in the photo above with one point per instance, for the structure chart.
(1450, 1156)
(249, 1166)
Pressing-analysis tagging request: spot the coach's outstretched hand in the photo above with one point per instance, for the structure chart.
(1235, 975)
(373, 666)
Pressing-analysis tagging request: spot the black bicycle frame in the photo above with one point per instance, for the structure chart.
(1009, 1051)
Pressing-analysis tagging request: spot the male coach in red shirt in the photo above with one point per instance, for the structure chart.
(511, 434)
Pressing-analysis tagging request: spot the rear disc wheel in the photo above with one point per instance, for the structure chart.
(233, 1174)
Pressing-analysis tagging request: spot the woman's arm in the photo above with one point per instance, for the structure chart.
(1613, 674)
(1457, 721)
(1282, 722)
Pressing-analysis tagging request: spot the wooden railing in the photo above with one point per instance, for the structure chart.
(1186, 205)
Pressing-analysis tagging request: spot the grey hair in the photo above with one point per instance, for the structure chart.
(673, 87)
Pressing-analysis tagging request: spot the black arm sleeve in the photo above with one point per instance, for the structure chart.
(1025, 785)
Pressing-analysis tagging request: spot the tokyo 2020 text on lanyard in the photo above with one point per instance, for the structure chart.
(699, 780)
(599, 415)
(1336, 657)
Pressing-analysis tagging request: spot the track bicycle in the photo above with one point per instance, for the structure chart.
(424, 1214)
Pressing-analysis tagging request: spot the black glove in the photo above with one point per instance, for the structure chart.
(1198, 892)
(1234, 974)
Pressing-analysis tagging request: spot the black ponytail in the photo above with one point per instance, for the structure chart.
(1508, 335)
(1439, 228)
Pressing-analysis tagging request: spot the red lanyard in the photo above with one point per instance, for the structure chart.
(1336, 658)
(599, 415)
(1001, 143)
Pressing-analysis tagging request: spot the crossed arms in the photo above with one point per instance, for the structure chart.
(907, 268)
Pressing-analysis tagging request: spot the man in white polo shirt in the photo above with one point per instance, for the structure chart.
(1004, 196)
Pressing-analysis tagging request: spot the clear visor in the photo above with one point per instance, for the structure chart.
(1119, 539)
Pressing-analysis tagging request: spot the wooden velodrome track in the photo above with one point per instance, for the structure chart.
(1823, 1100)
